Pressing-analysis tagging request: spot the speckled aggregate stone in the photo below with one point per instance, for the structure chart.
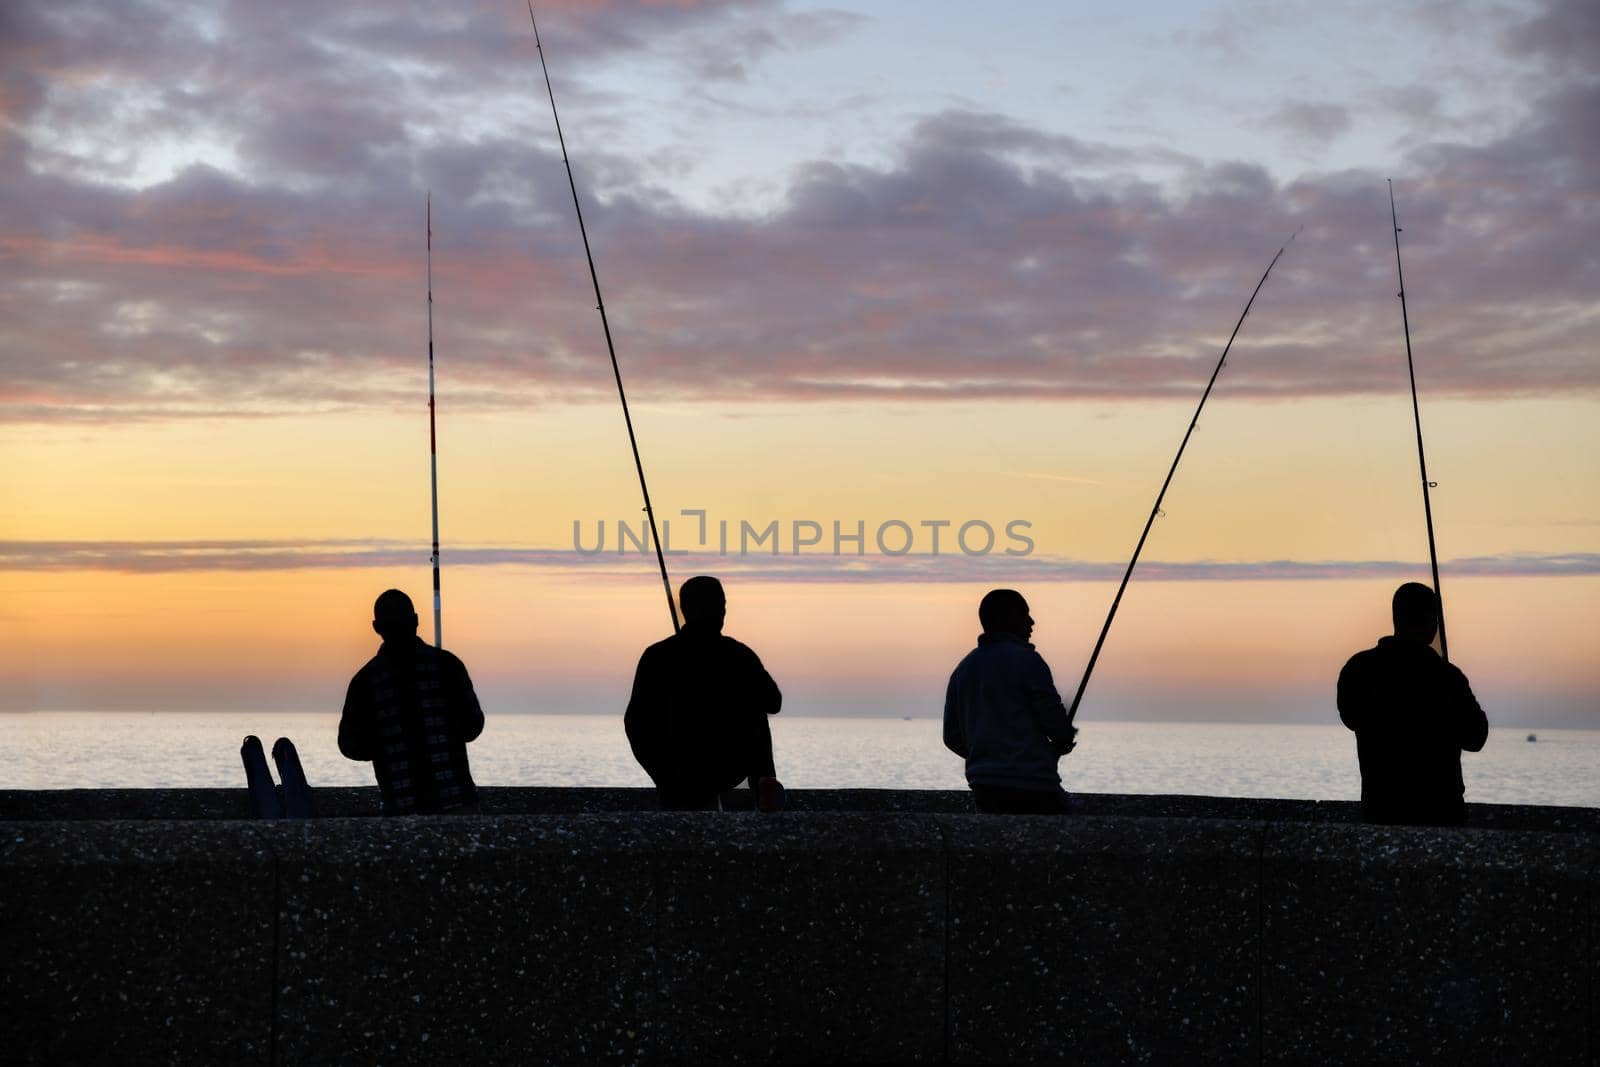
(1426, 946)
(1102, 940)
(1594, 961)
(125, 942)
(578, 926)
(799, 938)
(466, 939)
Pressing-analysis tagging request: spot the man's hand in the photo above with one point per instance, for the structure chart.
(1067, 744)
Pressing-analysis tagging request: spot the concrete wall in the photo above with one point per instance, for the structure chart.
(1158, 930)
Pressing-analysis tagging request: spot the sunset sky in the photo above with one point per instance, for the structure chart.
(865, 263)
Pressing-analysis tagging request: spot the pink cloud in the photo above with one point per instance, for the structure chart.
(983, 259)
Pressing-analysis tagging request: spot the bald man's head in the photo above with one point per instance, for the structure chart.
(393, 616)
(1004, 611)
(702, 601)
(1416, 612)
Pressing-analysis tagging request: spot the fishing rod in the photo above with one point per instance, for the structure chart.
(1077, 699)
(1416, 414)
(600, 306)
(433, 447)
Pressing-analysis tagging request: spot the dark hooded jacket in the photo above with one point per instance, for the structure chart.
(1002, 715)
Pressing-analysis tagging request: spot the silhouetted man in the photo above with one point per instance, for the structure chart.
(1002, 715)
(411, 711)
(697, 719)
(1413, 715)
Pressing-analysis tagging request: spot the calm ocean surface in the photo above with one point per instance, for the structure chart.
(67, 750)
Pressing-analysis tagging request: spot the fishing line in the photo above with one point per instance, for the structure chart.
(600, 306)
(1416, 414)
(1155, 511)
(433, 446)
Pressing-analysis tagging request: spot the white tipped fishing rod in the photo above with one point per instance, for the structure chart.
(600, 306)
(1416, 414)
(433, 446)
(1072, 711)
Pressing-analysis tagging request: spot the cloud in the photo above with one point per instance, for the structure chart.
(162, 557)
(725, 54)
(1421, 104)
(227, 219)
(1317, 122)
(1565, 34)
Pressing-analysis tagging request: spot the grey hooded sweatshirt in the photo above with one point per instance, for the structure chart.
(1002, 715)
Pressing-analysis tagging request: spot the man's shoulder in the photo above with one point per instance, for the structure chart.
(1012, 650)
(1391, 652)
(970, 661)
(665, 649)
(686, 644)
(433, 658)
(998, 653)
(447, 658)
(1395, 662)
(367, 669)
(1388, 655)
(736, 647)
(1363, 657)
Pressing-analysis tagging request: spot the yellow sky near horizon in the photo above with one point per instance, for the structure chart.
(546, 640)
(1331, 479)
(1307, 479)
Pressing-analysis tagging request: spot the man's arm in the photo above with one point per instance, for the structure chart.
(766, 697)
(467, 712)
(355, 724)
(642, 721)
(1039, 689)
(955, 737)
(1471, 722)
(1351, 695)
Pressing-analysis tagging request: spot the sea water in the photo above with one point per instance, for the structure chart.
(95, 749)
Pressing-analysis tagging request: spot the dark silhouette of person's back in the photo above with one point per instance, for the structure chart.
(1413, 715)
(1003, 716)
(411, 711)
(697, 717)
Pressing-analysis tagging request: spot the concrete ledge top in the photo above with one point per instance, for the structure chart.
(75, 805)
(581, 925)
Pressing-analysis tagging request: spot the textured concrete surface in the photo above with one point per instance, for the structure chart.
(1111, 940)
(135, 943)
(1426, 946)
(799, 939)
(1594, 961)
(475, 940)
(887, 929)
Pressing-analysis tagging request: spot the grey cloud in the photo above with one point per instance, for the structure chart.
(1319, 122)
(148, 557)
(725, 51)
(985, 259)
(1566, 33)
(1419, 103)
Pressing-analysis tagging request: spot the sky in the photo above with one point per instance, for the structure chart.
(876, 274)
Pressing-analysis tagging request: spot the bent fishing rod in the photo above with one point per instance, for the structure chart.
(433, 446)
(605, 325)
(1416, 414)
(1072, 711)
